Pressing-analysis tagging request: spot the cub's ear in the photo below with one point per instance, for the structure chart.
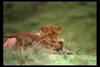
(44, 29)
(59, 27)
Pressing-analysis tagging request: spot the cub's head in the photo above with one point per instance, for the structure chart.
(51, 31)
(55, 31)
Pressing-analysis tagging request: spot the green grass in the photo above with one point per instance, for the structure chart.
(30, 57)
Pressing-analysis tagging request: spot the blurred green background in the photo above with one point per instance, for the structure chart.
(78, 20)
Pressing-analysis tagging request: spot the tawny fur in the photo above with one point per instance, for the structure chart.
(48, 36)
